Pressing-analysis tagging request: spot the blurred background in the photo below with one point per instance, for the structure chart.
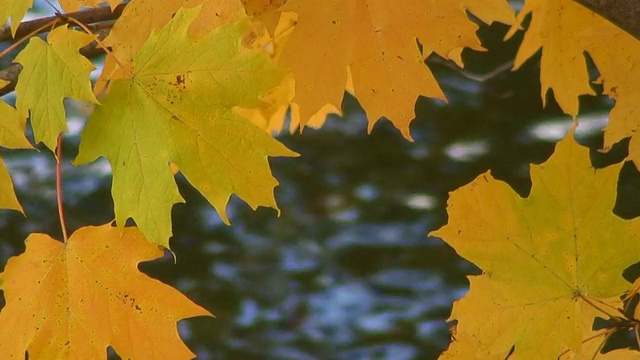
(348, 270)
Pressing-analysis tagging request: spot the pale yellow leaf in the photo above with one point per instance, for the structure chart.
(12, 137)
(14, 10)
(51, 71)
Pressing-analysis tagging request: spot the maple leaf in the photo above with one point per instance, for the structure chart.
(278, 102)
(75, 5)
(50, 73)
(545, 258)
(556, 26)
(140, 18)
(594, 340)
(264, 11)
(8, 199)
(565, 30)
(180, 108)
(72, 300)
(271, 117)
(376, 39)
(12, 137)
(14, 9)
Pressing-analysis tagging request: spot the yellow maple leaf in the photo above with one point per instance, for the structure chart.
(140, 18)
(278, 102)
(556, 26)
(264, 11)
(75, 5)
(593, 341)
(12, 137)
(72, 300)
(180, 108)
(377, 40)
(545, 259)
(14, 9)
(565, 30)
(465, 346)
(50, 73)
(8, 199)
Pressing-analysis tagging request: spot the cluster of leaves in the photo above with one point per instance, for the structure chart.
(197, 86)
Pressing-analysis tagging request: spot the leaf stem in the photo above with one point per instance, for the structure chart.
(55, 8)
(611, 316)
(63, 224)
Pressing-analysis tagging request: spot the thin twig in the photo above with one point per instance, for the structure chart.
(502, 68)
(63, 224)
(55, 8)
(611, 316)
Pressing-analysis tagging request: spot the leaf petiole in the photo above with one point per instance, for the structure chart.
(63, 224)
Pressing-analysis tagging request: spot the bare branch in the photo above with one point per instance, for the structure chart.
(89, 16)
(623, 13)
(10, 74)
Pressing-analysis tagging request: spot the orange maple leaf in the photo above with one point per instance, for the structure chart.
(376, 40)
(72, 300)
(566, 31)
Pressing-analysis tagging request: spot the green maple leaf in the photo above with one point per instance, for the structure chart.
(51, 71)
(546, 259)
(177, 106)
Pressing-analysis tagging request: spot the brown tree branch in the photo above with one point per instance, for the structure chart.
(89, 16)
(623, 13)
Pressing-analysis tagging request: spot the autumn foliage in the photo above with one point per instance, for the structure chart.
(200, 86)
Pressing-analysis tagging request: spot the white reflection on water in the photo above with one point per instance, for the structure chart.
(555, 129)
(421, 202)
(467, 150)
